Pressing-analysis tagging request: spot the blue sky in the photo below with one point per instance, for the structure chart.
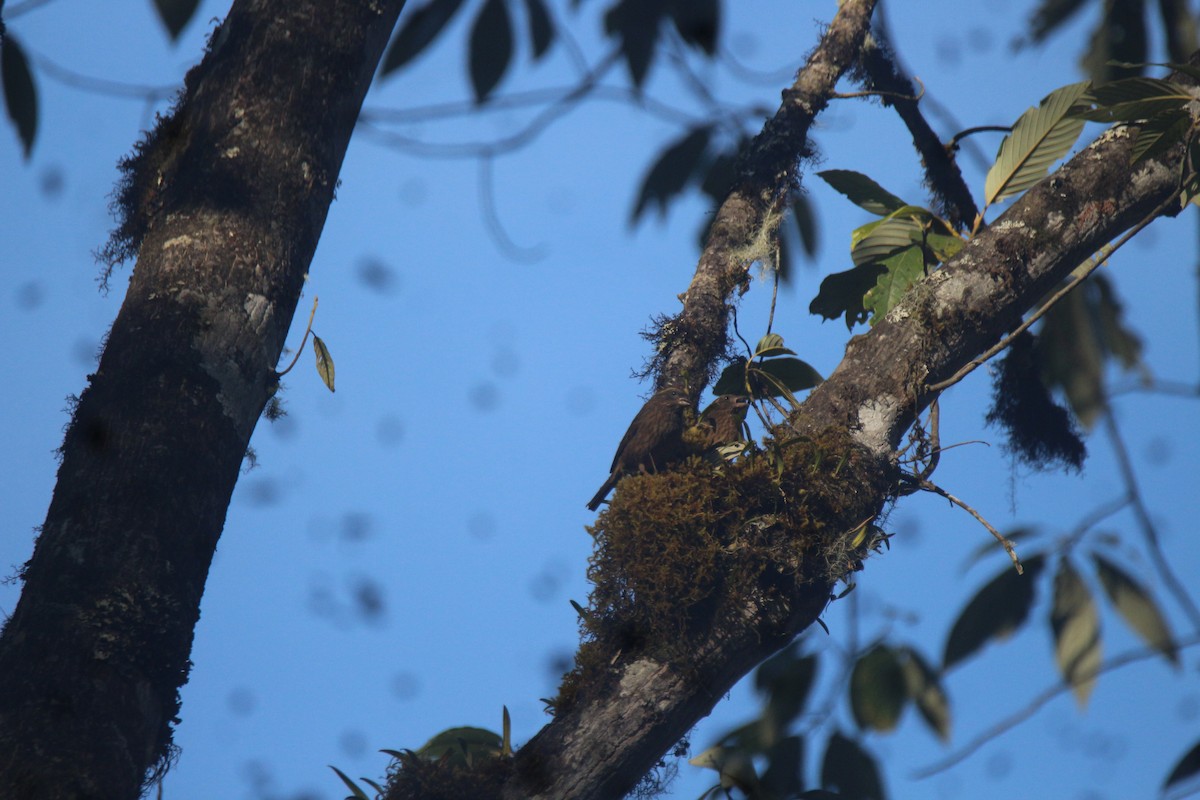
(480, 397)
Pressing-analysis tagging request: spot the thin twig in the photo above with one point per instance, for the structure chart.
(1008, 546)
(300, 349)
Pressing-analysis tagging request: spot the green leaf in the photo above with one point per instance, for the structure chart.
(491, 48)
(778, 374)
(461, 746)
(541, 28)
(850, 770)
(356, 792)
(1136, 607)
(884, 238)
(943, 246)
(176, 14)
(672, 171)
(324, 361)
(902, 270)
(1187, 767)
(995, 612)
(506, 734)
(925, 688)
(20, 93)
(841, 294)
(1076, 627)
(1039, 138)
(1133, 99)
(771, 345)
(878, 689)
(862, 191)
(419, 30)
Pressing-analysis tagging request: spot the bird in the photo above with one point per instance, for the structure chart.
(654, 439)
(724, 420)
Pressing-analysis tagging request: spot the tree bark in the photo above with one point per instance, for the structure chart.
(230, 196)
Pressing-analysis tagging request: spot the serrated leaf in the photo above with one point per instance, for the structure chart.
(1132, 99)
(419, 30)
(20, 93)
(1039, 138)
(672, 171)
(324, 361)
(925, 689)
(176, 14)
(862, 191)
(356, 791)
(1136, 607)
(885, 238)
(995, 612)
(491, 48)
(771, 345)
(841, 294)
(1076, 627)
(541, 28)
(902, 270)
(878, 689)
(1187, 767)
(850, 770)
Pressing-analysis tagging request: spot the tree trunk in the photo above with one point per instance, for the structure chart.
(224, 206)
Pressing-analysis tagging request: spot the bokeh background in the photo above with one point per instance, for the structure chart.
(401, 558)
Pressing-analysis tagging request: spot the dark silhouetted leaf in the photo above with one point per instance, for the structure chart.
(1076, 627)
(806, 224)
(878, 689)
(324, 361)
(491, 48)
(786, 680)
(850, 771)
(718, 176)
(20, 94)
(902, 270)
(541, 29)
(841, 294)
(862, 191)
(1119, 42)
(636, 23)
(784, 775)
(418, 30)
(1050, 14)
(176, 14)
(356, 792)
(698, 22)
(995, 612)
(772, 377)
(670, 174)
(925, 689)
(1039, 138)
(1187, 767)
(1136, 607)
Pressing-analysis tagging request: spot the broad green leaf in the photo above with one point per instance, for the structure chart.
(878, 689)
(1136, 607)
(943, 246)
(841, 294)
(771, 345)
(884, 239)
(732, 379)
(995, 612)
(418, 31)
(541, 28)
(1076, 627)
(491, 48)
(1132, 99)
(1040, 137)
(1160, 132)
(175, 14)
(850, 770)
(862, 191)
(903, 270)
(925, 688)
(356, 791)
(777, 374)
(1184, 769)
(20, 93)
(462, 746)
(324, 361)
(672, 171)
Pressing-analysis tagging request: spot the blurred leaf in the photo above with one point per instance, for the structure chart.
(878, 689)
(841, 294)
(1117, 339)
(1076, 629)
(698, 22)
(541, 28)
(771, 345)
(735, 766)
(874, 242)
(787, 680)
(718, 176)
(862, 191)
(420, 28)
(324, 361)
(995, 612)
(784, 775)
(1050, 14)
(902, 270)
(806, 224)
(1133, 99)
(506, 734)
(992, 546)
(850, 771)
(176, 14)
(925, 688)
(20, 93)
(636, 23)
(1136, 607)
(1121, 36)
(1039, 138)
(1187, 767)
(672, 171)
(491, 48)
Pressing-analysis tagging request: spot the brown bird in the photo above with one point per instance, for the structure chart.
(654, 439)
(724, 420)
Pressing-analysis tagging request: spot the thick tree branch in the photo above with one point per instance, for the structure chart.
(225, 204)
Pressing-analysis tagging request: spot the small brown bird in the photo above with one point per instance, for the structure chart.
(725, 420)
(654, 439)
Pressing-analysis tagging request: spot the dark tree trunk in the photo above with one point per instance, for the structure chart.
(227, 202)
